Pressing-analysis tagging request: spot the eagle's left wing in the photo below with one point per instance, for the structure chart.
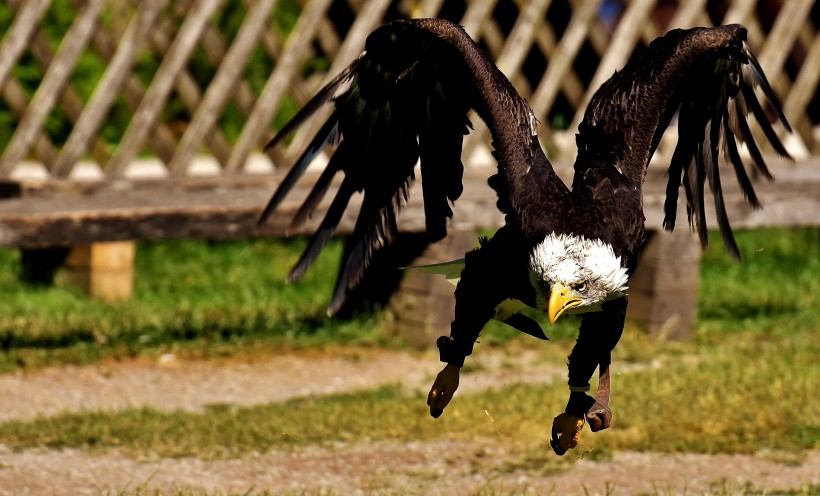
(406, 99)
(403, 99)
(708, 77)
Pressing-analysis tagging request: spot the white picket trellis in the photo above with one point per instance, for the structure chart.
(574, 52)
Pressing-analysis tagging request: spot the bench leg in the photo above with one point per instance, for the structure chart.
(663, 291)
(103, 270)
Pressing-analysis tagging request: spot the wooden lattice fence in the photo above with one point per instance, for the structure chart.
(204, 94)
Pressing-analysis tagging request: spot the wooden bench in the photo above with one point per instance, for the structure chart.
(100, 220)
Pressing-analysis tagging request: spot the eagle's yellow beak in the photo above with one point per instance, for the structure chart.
(561, 300)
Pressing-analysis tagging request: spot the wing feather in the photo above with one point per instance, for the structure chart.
(753, 72)
(707, 75)
(322, 235)
(329, 133)
(720, 105)
(713, 134)
(729, 75)
(763, 120)
(746, 137)
(325, 95)
(407, 98)
(732, 152)
(678, 171)
(374, 230)
(319, 190)
(697, 182)
(440, 142)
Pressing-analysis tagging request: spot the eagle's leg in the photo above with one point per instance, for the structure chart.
(492, 273)
(598, 335)
(599, 415)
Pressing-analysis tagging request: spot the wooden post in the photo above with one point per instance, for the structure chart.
(663, 291)
(103, 270)
(424, 304)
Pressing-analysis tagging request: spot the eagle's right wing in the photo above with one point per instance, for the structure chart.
(713, 114)
(406, 98)
(705, 76)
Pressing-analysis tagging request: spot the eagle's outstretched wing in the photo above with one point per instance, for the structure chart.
(714, 115)
(708, 77)
(405, 98)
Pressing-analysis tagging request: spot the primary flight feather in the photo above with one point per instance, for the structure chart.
(561, 250)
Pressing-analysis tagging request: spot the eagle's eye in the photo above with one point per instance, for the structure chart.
(580, 287)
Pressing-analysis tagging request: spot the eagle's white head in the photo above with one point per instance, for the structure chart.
(575, 274)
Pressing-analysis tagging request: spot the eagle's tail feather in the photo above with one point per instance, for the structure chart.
(450, 270)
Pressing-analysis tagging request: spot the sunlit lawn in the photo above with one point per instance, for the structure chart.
(195, 297)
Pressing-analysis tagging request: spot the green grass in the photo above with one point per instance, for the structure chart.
(196, 297)
(220, 298)
(737, 397)
(775, 290)
(216, 298)
(748, 381)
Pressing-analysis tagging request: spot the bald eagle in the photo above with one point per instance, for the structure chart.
(560, 250)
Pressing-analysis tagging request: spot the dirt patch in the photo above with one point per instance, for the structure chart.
(389, 468)
(363, 468)
(173, 384)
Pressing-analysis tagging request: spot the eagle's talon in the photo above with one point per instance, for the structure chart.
(566, 432)
(555, 444)
(443, 389)
(599, 417)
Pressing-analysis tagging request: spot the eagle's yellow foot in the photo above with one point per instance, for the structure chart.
(443, 389)
(566, 432)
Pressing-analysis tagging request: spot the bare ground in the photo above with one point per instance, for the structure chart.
(449, 467)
